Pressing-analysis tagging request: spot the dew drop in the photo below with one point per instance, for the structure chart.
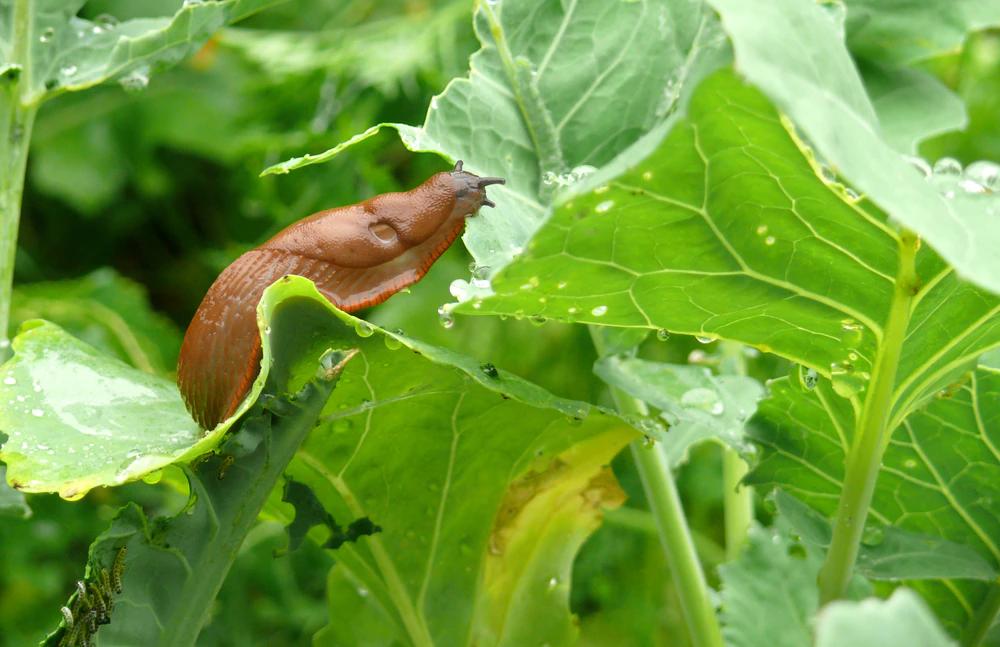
(599, 311)
(9, 380)
(910, 464)
(561, 285)
(553, 583)
(136, 80)
(648, 175)
(663, 334)
(704, 339)
(846, 381)
(810, 379)
(605, 206)
(947, 167)
(761, 230)
(47, 35)
(920, 164)
(68, 70)
(445, 318)
(984, 173)
(872, 536)
(971, 186)
(489, 370)
(704, 399)
(38, 413)
(604, 188)
(770, 240)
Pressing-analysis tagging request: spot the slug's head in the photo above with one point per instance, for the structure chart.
(470, 190)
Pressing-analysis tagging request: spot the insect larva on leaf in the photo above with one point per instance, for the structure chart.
(118, 568)
(358, 256)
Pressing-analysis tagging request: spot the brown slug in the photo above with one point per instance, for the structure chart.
(357, 256)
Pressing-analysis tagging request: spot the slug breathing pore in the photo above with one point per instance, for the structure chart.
(358, 256)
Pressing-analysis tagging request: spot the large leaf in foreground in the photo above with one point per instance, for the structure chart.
(77, 419)
(730, 230)
(557, 90)
(936, 478)
(483, 485)
(814, 81)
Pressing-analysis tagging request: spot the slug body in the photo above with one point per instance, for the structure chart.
(358, 256)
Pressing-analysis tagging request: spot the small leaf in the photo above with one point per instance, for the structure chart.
(697, 405)
(903, 619)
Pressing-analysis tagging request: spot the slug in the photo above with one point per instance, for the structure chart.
(358, 256)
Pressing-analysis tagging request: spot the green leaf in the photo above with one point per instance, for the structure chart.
(697, 405)
(78, 419)
(355, 618)
(107, 311)
(527, 110)
(937, 474)
(813, 79)
(903, 619)
(769, 593)
(912, 106)
(891, 553)
(730, 230)
(904, 31)
(69, 53)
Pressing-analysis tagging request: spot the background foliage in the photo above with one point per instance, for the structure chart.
(136, 200)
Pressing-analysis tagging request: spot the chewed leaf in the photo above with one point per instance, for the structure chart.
(697, 405)
(556, 91)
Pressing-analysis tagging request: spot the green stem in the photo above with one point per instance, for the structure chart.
(737, 498)
(16, 120)
(984, 618)
(737, 502)
(872, 433)
(678, 546)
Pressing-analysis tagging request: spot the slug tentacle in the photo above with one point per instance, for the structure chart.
(358, 256)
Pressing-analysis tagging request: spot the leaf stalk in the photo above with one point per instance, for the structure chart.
(675, 536)
(872, 432)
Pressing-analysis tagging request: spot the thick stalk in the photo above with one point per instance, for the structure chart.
(737, 498)
(983, 619)
(871, 435)
(16, 120)
(678, 546)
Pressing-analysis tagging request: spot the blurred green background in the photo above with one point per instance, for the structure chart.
(135, 202)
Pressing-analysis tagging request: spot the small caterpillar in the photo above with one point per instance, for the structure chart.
(94, 602)
(358, 256)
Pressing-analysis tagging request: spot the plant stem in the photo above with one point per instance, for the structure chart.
(984, 618)
(872, 433)
(16, 120)
(678, 546)
(737, 502)
(737, 498)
